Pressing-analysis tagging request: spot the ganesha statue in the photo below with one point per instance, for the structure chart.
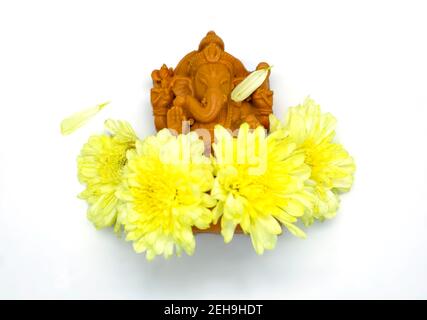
(196, 94)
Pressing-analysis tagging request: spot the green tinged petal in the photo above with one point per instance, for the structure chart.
(78, 119)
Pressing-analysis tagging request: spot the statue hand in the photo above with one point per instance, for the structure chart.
(179, 101)
(265, 84)
(262, 98)
(175, 117)
(262, 93)
(252, 121)
(161, 97)
(262, 65)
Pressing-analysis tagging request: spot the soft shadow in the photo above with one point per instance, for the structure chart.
(222, 271)
(217, 268)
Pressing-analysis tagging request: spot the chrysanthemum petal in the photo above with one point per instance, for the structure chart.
(100, 165)
(257, 199)
(165, 188)
(78, 119)
(227, 229)
(332, 168)
(295, 230)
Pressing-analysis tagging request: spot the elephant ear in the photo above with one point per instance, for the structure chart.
(182, 86)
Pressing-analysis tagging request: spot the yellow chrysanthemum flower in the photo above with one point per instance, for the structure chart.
(165, 187)
(259, 183)
(332, 168)
(100, 167)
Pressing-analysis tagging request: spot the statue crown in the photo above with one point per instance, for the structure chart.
(211, 37)
(211, 50)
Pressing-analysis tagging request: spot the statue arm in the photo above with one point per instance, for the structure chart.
(161, 95)
(247, 115)
(262, 99)
(161, 103)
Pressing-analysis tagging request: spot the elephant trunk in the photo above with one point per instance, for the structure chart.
(208, 111)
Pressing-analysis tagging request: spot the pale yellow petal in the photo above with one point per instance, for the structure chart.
(78, 119)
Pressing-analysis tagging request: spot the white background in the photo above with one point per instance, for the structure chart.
(364, 61)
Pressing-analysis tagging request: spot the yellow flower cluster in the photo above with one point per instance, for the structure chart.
(100, 166)
(259, 184)
(165, 187)
(160, 188)
(332, 168)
